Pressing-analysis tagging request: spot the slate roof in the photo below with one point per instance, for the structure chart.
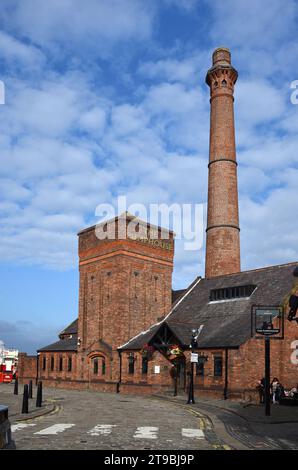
(71, 329)
(176, 294)
(67, 344)
(226, 323)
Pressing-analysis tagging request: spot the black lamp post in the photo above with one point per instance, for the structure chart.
(193, 345)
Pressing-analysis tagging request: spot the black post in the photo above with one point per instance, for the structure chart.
(267, 375)
(30, 389)
(191, 399)
(16, 386)
(39, 395)
(25, 407)
(37, 369)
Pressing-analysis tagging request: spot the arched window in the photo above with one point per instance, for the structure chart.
(95, 366)
(103, 367)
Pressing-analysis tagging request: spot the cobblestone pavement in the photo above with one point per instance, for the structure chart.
(93, 420)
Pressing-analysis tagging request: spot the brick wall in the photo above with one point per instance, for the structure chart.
(27, 367)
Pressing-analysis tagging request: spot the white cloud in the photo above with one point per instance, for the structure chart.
(261, 24)
(258, 102)
(13, 50)
(77, 24)
(172, 70)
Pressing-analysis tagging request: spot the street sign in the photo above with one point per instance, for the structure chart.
(194, 357)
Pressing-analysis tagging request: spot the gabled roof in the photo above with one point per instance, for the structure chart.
(227, 323)
(70, 329)
(67, 344)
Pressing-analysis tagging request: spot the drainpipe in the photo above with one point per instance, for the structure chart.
(226, 374)
(120, 372)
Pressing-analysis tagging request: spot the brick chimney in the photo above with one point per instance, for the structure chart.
(222, 239)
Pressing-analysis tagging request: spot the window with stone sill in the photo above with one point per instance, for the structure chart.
(217, 366)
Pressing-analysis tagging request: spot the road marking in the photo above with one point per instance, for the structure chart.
(193, 433)
(16, 427)
(101, 429)
(146, 432)
(55, 429)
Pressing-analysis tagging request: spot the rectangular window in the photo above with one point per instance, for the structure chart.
(200, 369)
(69, 364)
(60, 363)
(95, 366)
(52, 363)
(44, 363)
(144, 365)
(131, 364)
(217, 366)
(103, 367)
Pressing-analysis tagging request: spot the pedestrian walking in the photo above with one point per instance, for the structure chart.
(261, 389)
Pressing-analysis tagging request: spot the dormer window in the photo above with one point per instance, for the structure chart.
(229, 293)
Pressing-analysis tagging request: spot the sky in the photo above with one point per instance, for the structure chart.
(108, 97)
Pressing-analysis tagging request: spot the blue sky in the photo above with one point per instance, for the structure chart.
(107, 97)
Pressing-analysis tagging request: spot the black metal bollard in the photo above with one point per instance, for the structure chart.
(39, 395)
(30, 389)
(25, 406)
(16, 387)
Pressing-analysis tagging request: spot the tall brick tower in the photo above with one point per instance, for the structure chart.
(223, 240)
(125, 287)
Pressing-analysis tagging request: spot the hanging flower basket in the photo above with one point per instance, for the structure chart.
(174, 351)
(147, 351)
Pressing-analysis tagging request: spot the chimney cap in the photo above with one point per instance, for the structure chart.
(221, 55)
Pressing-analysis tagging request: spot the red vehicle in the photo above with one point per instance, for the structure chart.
(6, 376)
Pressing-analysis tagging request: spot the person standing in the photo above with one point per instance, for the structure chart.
(261, 389)
(275, 390)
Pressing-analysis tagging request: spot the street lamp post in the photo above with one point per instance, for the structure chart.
(193, 345)
(194, 358)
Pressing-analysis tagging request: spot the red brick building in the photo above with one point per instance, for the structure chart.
(133, 332)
